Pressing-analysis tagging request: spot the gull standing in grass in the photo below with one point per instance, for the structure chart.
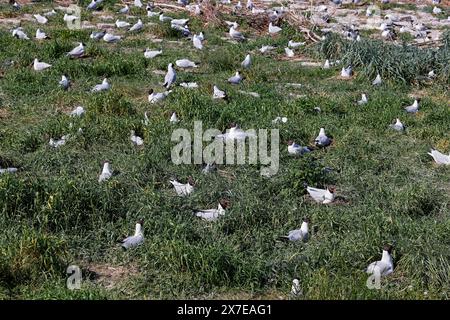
(136, 239)
(150, 54)
(236, 79)
(296, 289)
(138, 3)
(122, 24)
(69, 18)
(197, 42)
(179, 22)
(183, 190)
(76, 52)
(301, 234)
(218, 94)
(155, 97)
(8, 170)
(377, 80)
(322, 140)
(265, 49)
(185, 63)
(174, 118)
(324, 196)
(58, 143)
(170, 77)
(137, 26)
(397, 126)
(110, 38)
(289, 52)
(213, 214)
(97, 35)
(274, 29)
(235, 35)
(164, 18)
(439, 157)
(40, 19)
(296, 149)
(383, 267)
(39, 66)
(346, 72)
(136, 140)
(64, 83)
(125, 9)
(292, 44)
(20, 34)
(77, 112)
(363, 100)
(106, 172)
(104, 86)
(414, 107)
(40, 35)
(247, 62)
(326, 65)
(93, 5)
(234, 133)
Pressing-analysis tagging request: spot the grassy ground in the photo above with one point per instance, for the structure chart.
(54, 213)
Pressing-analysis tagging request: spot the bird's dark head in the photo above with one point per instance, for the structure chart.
(150, 91)
(141, 222)
(332, 189)
(290, 142)
(306, 219)
(225, 203)
(388, 248)
(191, 181)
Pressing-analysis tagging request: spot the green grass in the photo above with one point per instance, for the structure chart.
(54, 213)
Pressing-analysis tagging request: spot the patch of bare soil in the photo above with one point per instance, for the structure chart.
(111, 276)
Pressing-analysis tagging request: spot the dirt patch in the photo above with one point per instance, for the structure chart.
(111, 276)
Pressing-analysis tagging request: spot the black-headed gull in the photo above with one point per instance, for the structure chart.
(363, 99)
(183, 190)
(324, 196)
(136, 239)
(185, 63)
(247, 62)
(8, 170)
(138, 3)
(106, 172)
(164, 18)
(137, 26)
(58, 143)
(197, 42)
(218, 94)
(39, 66)
(346, 72)
(296, 289)
(414, 107)
(104, 86)
(125, 9)
(383, 267)
(150, 54)
(236, 79)
(274, 29)
(174, 118)
(208, 168)
(398, 125)
(322, 140)
(20, 34)
(289, 52)
(64, 83)
(122, 24)
(265, 49)
(40, 19)
(77, 112)
(136, 140)
(235, 35)
(439, 157)
(301, 234)
(155, 97)
(180, 22)
(170, 76)
(377, 81)
(40, 35)
(213, 214)
(97, 35)
(93, 5)
(111, 38)
(292, 44)
(76, 52)
(69, 18)
(234, 133)
(296, 149)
